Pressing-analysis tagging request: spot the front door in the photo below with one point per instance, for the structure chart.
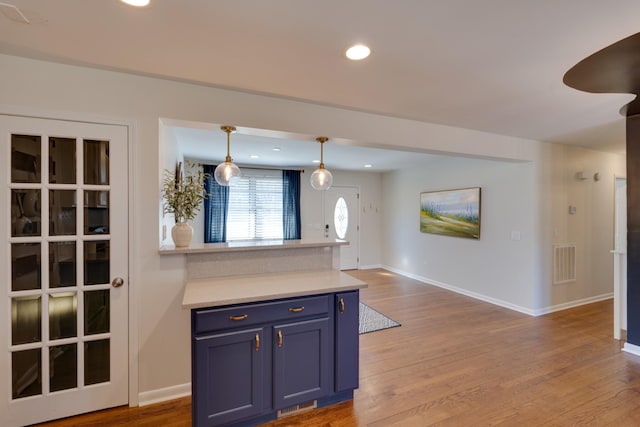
(63, 280)
(341, 222)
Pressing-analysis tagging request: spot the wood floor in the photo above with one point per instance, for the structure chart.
(456, 361)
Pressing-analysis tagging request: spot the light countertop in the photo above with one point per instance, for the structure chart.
(254, 245)
(219, 291)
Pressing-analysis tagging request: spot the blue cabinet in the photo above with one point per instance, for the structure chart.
(347, 347)
(302, 368)
(228, 375)
(251, 360)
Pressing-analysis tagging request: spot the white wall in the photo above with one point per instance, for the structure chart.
(162, 326)
(493, 267)
(591, 228)
(531, 198)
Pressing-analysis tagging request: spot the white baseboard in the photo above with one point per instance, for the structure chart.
(631, 349)
(370, 267)
(499, 302)
(164, 394)
(457, 290)
(572, 304)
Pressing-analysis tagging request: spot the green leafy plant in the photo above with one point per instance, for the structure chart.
(183, 196)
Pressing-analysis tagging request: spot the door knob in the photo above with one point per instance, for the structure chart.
(117, 282)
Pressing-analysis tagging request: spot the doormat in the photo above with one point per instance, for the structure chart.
(372, 320)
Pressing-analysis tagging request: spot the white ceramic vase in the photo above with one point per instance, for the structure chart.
(181, 233)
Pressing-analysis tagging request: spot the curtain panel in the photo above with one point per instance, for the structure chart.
(291, 224)
(215, 208)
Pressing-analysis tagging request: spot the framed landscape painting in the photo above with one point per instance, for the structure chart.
(451, 212)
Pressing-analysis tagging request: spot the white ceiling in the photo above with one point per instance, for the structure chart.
(492, 65)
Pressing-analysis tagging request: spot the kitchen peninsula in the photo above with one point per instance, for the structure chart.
(274, 329)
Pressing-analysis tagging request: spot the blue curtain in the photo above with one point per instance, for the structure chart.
(291, 227)
(215, 208)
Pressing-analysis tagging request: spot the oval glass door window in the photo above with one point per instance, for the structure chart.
(341, 218)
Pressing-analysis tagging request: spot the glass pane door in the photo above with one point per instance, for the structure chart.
(75, 212)
(60, 298)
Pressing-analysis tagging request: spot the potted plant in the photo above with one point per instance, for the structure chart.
(183, 198)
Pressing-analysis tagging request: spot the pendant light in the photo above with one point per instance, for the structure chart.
(227, 172)
(321, 179)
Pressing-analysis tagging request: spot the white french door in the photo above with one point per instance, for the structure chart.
(64, 257)
(341, 209)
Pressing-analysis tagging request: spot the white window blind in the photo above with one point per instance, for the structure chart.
(255, 206)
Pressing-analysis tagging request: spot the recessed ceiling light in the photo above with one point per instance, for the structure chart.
(254, 156)
(276, 149)
(368, 165)
(137, 3)
(358, 52)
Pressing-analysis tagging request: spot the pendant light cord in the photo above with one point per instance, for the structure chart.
(228, 130)
(321, 140)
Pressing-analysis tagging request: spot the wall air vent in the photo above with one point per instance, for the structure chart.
(297, 409)
(564, 263)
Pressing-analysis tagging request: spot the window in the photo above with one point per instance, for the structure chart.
(341, 218)
(255, 206)
(263, 204)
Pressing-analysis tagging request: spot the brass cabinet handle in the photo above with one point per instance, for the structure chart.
(341, 305)
(296, 309)
(279, 338)
(236, 318)
(257, 342)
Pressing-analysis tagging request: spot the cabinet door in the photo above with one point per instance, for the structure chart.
(228, 376)
(347, 341)
(302, 357)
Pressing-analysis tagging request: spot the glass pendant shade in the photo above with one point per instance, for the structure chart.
(227, 172)
(321, 179)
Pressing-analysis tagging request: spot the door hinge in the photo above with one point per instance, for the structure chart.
(358, 194)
